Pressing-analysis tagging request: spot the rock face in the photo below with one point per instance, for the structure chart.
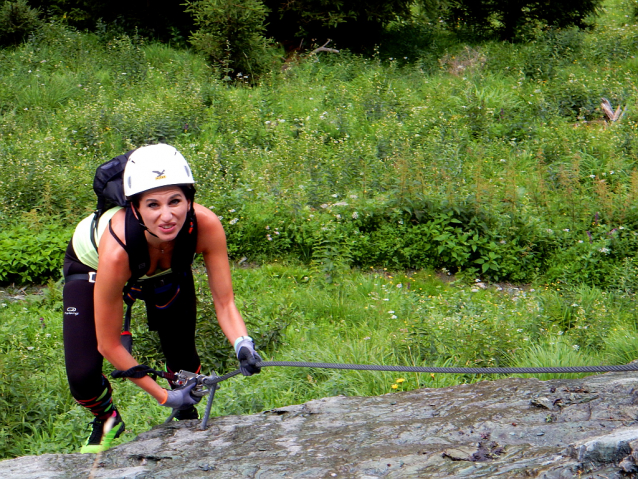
(585, 428)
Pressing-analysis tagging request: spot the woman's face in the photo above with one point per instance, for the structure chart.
(164, 211)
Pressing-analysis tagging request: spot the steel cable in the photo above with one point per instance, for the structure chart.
(211, 381)
(439, 370)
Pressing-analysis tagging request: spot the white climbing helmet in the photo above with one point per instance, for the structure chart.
(154, 166)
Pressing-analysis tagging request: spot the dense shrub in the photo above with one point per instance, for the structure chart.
(507, 19)
(32, 252)
(466, 164)
(17, 20)
(231, 35)
(351, 24)
(166, 20)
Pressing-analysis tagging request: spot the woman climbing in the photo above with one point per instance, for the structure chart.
(154, 238)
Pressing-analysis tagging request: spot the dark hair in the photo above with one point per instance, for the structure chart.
(188, 190)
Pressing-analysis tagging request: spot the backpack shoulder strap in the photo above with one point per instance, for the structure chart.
(136, 246)
(185, 244)
(119, 241)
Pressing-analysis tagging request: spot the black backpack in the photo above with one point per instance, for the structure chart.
(109, 188)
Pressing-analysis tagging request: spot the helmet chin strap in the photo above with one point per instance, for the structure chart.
(141, 221)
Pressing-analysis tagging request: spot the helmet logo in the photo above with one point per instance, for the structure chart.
(160, 174)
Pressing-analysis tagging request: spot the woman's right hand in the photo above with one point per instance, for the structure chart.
(181, 398)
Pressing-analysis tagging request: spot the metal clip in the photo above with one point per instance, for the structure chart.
(183, 377)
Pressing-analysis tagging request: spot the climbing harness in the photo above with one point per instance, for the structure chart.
(207, 385)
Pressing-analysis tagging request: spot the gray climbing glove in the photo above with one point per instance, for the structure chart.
(181, 398)
(248, 357)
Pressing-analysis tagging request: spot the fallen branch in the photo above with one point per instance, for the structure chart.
(609, 111)
(323, 48)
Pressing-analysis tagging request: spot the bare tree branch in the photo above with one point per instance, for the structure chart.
(609, 111)
(323, 48)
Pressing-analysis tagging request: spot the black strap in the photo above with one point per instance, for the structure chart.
(116, 237)
(140, 371)
(141, 221)
(127, 317)
(94, 224)
(136, 247)
(90, 277)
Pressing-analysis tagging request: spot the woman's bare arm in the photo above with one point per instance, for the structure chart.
(211, 242)
(113, 274)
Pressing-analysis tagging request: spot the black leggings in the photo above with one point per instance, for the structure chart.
(175, 324)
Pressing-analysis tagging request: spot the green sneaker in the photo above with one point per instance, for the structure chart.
(96, 443)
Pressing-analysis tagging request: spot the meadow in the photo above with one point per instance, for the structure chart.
(440, 203)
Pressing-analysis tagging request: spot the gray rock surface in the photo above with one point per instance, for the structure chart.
(510, 428)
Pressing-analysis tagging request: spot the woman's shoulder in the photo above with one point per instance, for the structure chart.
(112, 255)
(210, 232)
(205, 216)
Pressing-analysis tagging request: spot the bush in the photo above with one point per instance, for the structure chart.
(32, 253)
(352, 24)
(166, 20)
(231, 35)
(506, 19)
(17, 20)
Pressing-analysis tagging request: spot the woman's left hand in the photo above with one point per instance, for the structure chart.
(248, 357)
